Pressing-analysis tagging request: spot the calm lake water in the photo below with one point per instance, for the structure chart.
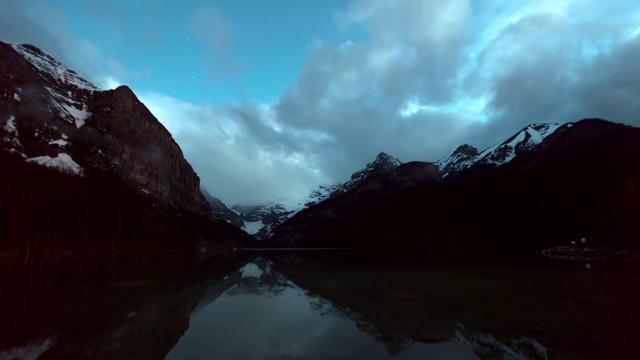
(320, 305)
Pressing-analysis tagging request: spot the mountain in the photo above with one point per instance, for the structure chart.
(383, 164)
(89, 164)
(221, 210)
(527, 139)
(542, 187)
(256, 220)
(260, 220)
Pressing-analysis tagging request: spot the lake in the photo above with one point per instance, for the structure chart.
(316, 305)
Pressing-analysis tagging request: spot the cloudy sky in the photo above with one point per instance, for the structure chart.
(270, 98)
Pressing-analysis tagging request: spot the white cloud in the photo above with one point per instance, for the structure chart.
(233, 161)
(107, 82)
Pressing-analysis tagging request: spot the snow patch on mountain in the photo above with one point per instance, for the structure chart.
(59, 142)
(10, 126)
(253, 227)
(79, 115)
(322, 193)
(525, 140)
(62, 162)
(259, 220)
(72, 111)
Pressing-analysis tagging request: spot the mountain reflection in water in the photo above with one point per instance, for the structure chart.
(289, 305)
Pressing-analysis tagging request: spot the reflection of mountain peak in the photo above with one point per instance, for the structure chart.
(401, 317)
(255, 276)
(488, 347)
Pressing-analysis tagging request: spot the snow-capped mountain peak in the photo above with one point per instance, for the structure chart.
(383, 164)
(467, 156)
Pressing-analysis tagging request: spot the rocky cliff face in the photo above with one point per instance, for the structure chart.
(221, 210)
(48, 112)
(131, 141)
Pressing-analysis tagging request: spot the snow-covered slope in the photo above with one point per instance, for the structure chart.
(64, 95)
(62, 162)
(69, 91)
(259, 220)
(467, 156)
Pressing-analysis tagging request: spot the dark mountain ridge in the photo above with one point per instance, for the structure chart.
(526, 194)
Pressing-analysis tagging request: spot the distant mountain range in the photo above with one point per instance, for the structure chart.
(256, 220)
(85, 169)
(546, 185)
(261, 220)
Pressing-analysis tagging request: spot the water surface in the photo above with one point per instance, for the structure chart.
(287, 305)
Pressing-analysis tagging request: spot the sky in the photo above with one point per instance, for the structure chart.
(270, 98)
